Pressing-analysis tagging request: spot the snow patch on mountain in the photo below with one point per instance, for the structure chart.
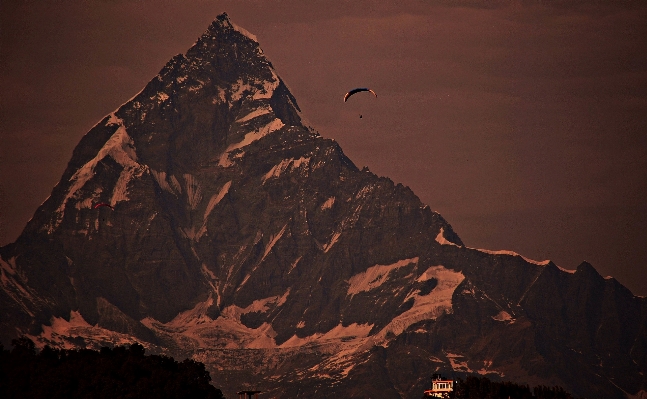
(332, 241)
(221, 98)
(90, 201)
(268, 247)
(120, 192)
(273, 239)
(234, 312)
(272, 126)
(457, 362)
(277, 169)
(345, 351)
(302, 161)
(440, 238)
(60, 334)
(503, 316)
(256, 89)
(267, 87)
(262, 110)
(215, 200)
(196, 88)
(251, 137)
(212, 280)
(226, 331)
(120, 147)
(427, 307)
(284, 165)
(224, 22)
(365, 191)
(328, 204)
(239, 89)
(160, 178)
(265, 338)
(13, 283)
(196, 315)
(294, 264)
(512, 253)
(350, 221)
(243, 32)
(351, 331)
(428, 274)
(375, 276)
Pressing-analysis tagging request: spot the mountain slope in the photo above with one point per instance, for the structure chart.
(238, 236)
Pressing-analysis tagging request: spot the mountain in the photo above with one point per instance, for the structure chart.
(237, 236)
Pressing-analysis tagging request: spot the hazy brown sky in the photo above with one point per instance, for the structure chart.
(523, 123)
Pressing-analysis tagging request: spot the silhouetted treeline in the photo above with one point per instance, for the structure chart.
(121, 372)
(483, 388)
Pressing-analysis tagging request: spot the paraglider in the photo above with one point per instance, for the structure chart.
(357, 90)
(100, 204)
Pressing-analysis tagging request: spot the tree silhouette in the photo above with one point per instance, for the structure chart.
(120, 372)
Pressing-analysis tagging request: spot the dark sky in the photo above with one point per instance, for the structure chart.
(523, 123)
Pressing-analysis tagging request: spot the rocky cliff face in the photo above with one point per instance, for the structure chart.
(238, 236)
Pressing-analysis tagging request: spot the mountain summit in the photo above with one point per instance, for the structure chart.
(240, 237)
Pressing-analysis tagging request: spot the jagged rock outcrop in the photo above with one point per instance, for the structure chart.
(240, 237)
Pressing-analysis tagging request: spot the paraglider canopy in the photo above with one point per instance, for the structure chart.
(357, 90)
(100, 204)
